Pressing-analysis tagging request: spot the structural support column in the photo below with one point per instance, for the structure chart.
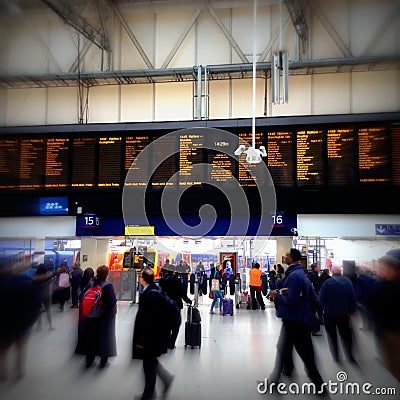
(94, 252)
(283, 244)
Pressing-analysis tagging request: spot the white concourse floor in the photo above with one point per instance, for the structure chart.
(236, 352)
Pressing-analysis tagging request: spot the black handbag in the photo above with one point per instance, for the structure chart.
(137, 353)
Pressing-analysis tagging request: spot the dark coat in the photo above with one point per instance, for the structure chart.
(149, 322)
(76, 277)
(96, 336)
(295, 304)
(337, 296)
(20, 303)
(173, 287)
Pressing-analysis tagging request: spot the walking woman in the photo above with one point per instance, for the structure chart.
(216, 288)
(96, 336)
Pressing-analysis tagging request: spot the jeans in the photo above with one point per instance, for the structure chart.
(217, 295)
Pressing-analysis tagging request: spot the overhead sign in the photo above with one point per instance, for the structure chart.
(136, 230)
(387, 229)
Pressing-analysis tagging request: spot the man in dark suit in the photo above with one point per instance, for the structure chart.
(150, 322)
(173, 287)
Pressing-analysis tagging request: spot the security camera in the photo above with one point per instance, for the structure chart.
(240, 150)
(263, 152)
(294, 231)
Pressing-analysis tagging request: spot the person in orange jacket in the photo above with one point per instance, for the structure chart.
(255, 287)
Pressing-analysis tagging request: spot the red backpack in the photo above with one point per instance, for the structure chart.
(91, 302)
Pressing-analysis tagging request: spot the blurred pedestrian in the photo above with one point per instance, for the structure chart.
(147, 343)
(386, 312)
(293, 306)
(75, 281)
(173, 287)
(43, 280)
(62, 292)
(338, 301)
(20, 304)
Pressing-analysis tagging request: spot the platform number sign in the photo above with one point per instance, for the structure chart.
(278, 219)
(91, 221)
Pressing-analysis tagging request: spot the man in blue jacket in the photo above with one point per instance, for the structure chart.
(293, 306)
(338, 301)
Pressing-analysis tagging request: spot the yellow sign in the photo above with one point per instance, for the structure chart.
(139, 230)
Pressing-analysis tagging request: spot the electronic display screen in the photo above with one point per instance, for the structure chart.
(310, 157)
(333, 157)
(110, 156)
(84, 163)
(138, 174)
(53, 206)
(191, 147)
(280, 159)
(342, 153)
(375, 154)
(57, 163)
(246, 177)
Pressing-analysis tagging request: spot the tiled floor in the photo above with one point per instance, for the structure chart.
(235, 353)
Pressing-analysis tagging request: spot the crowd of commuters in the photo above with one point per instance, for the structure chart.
(297, 295)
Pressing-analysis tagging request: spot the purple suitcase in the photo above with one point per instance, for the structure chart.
(227, 307)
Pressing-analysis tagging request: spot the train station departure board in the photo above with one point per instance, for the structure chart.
(110, 156)
(280, 160)
(245, 169)
(191, 153)
(9, 163)
(164, 162)
(138, 170)
(396, 155)
(342, 157)
(310, 157)
(57, 163)
(31, 169)
(84, 162)
(307, 156)
(374, 149)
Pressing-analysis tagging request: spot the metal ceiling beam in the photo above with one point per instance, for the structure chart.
(182, 37)
(216, 72)
(131, 35)
(330, 29)
(382, 29)
(72, 18)
(270, 44)
(297, 15)
(227, 34)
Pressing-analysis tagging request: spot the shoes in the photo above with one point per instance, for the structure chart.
(316, 334)
(74, 306)
(212, 312)
(105, 365)
(167, 387)
(172, 347)
(51, 328)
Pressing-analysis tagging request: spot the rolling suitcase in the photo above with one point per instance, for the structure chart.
(192, 329)
(227, 307)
